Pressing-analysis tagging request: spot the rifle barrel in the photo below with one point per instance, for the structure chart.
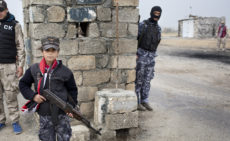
(54, 99)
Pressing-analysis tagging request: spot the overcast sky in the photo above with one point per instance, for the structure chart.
(15, 7)
(173, 10)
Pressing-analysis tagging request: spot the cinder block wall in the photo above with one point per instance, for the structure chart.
(204, 27)
(87, 31)
(207, 27)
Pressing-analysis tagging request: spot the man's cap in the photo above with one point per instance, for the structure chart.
(222, 22)
(3, 5)
(50, 42)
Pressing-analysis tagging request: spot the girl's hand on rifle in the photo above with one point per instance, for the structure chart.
(70, 115)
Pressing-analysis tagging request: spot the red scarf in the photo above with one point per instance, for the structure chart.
(43, 67)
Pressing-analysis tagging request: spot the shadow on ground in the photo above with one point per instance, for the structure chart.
(218, 56)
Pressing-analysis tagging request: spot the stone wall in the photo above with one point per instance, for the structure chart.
(87, 31)
(204, 27)
(115, 109)
(207, 27)
(180, 28)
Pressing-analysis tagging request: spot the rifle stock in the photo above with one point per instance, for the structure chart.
(68, 108)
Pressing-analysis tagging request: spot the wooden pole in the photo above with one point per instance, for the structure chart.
(117, 40)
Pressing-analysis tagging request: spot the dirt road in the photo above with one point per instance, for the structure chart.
(190, 95)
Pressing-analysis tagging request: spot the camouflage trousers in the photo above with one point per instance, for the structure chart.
(9, 86)
(50, 132)
(144, 74)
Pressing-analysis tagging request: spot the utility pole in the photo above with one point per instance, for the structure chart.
(117, 40)
(190, 7)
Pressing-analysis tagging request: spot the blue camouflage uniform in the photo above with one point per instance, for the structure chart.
(49, 132)
(146, 60)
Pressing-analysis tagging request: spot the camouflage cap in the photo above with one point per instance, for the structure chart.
(50, 42)
(3, 5)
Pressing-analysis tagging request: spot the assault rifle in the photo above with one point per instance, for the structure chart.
(68, 108)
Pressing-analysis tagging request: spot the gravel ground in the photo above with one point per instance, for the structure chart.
(190, 95)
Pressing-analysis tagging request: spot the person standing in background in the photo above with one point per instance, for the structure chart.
(221, 36)
(12, 59)
(149, 37)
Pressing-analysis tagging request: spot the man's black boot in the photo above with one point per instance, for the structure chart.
(147, 106)
(140, 107)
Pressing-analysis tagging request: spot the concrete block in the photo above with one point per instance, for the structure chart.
(122, 121)
(36, 53)
(68, 47)
(120, 101)
(26, 31)
(93, 30)
(126, 46)
(85, 2)
(108, 3)
(28, 51)
(113, 101)
(127, 3)
(104, 14)
(80, 133)
(36, 44)
(127, 62)
(69, 2)
(36, 48)
(102, 61)
(112, 62)
(86, 93)
(36, 14)
(47, 2)
(133, 30)
(25, 3)
(134, 131)
(131, 76)
(130, 15)
(55, 14)
(120, 76)
(109, 29)
(36, 60)
(39, 31)
(111, 85)
(92, 46)
(99, 110)
(130, 87)
(71, 32)
(83, 14)
(78, 78)
(87, 108)
(82, 63)
(26, 16)
(93, 78)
